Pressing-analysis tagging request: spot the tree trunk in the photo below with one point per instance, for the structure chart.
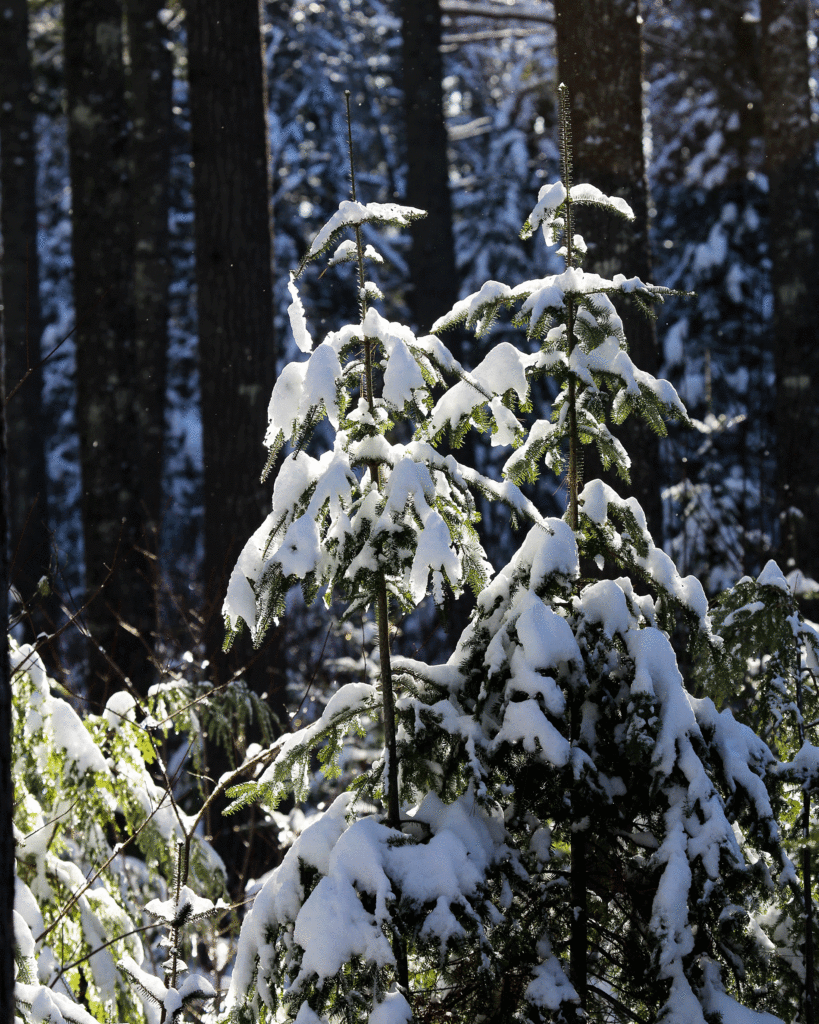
(433, 273)
(794, 223)
(237, 354)
(22, 326)
(150, 85)
(120, 617)
(7, 866)
(599, 59)
(794, 220)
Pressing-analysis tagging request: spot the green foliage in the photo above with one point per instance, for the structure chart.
(767, 673)
(96, 839)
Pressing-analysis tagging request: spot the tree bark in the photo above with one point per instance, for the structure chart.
(7, 866)
(433, 272)
(599, 59)
(237, 353)
(120, 617)
(150, 86)
(28, 526)
(794, 221)
(790, 139)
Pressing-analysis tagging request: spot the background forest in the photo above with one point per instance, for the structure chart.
(165, 172)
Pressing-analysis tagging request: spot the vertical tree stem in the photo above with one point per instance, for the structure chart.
(7, 865)
(383, 607)
(383, 610)
(393, 809)
(578, 942)
(579, 937)
(810, 995)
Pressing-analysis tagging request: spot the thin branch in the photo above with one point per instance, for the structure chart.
(468, 10)
(99, 949)
(51, 821)
(484, 35)
(81, 891)
(621, 1008)
(48, 355)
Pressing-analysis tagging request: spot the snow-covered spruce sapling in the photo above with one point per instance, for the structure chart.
(375, 523)
(175, 994)
(767, 672)
(640, 816)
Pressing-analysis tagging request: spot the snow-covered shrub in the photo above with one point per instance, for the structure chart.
(767, 673)
(642, 817)
(96, 840)
(378, 523)
(568, 832)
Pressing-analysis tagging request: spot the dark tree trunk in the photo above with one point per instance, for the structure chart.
(28, 527)
(791, 169)
(120, 617)
(150, 84)
(7, 867)
(433, 273)
(237, 354)
(794, 235)
(599, 59)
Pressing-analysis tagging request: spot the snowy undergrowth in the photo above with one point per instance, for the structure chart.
(96, 841)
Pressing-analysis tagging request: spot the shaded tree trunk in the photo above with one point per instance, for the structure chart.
(599, 59)
(794, 236)
(7, 866)
(120, 617)
(794, 220)
(28, 527)
(237, 354)
(150, 85)
(433, 272)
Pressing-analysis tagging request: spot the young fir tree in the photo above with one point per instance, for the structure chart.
(768, 671)
(569, 834)
(360, 897)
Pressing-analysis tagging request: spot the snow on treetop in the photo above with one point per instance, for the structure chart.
(302, 387)
(351, 213)
(772, 576)
(393, 1009)
(189, 906)
(589, 194)
(502, 369)
(332, 924)
(492, 291)
(46, 1005)
(550, 988)
(596, 500)
(551, 198)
